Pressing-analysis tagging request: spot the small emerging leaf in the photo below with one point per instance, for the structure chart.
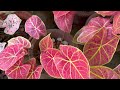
(100, 49)
(64, 20)
(46, 43)
(72, 64)
(19, 40)
(102, 72)
(18, 70)
(47, 61)
(10, 55)
(35, 27)
(11, 24)
(35, 72)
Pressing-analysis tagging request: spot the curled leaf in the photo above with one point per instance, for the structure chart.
(35, 27)
(102, 72)
(10, 55)
(11, 24)
(64, 20)
(46, 43)
(72, 64)
(19, 40)
(35, 72)
(2, 45)
(18, 70)
(46, 59)
(88, 31)
(100, 49)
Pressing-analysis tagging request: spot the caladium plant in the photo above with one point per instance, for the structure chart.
(59, 56)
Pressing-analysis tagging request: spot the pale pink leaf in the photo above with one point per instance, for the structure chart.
(64, 20)
(72, 64)
(94, 25)
(11, 24)
(35, 27)
(19, 40)
(35, 71)
(2, 45)
(10, 55)
(45, 43)
(46, 59)
(103, 72)
(18, 70)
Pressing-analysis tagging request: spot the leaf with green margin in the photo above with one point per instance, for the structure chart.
(100, 49)
(102, 72)
(45, 43)
(72, 64)
(89, 30)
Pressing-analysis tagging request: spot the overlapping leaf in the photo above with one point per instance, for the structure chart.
(18, 70)
(35, 72)
(100, 49)
(117, 69)
(72, 64)
(19, 40)
(106, 13)
(64, 20)
(88, 31)
(45, 43)
(116, 23)
(47, 61)
(35, 27)
(10, 55)
(102, 72)
(2, 45)
(11, 24)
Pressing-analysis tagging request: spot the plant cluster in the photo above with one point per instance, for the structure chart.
(57, 57)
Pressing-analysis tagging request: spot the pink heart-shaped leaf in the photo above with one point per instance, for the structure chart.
(18, 70)
(72, 64)
(46, 43)
(102, 72)
(88, 31)
(35, 72)
(106, 13)
(46, 59)
(11, 24)
(35, 27)
(10, 55)
(64, 20)
(19, 40)
(100, 49)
